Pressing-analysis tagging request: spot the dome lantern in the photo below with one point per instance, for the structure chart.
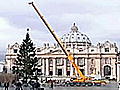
(74, 28)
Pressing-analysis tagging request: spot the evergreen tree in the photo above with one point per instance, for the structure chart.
(26, 62)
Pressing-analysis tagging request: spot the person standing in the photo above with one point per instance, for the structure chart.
(6, 85)
(36, 85)
(52, 84)
(32, 84)
(18, 86)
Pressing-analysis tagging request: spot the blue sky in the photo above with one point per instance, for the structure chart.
(99, 19)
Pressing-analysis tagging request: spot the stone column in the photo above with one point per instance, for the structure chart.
(86, 70)
(43, 68)
(100, 66)
(98, 72)
(76, 64)
(54, 66)
(47, 66)
(71, 70)
(8, 65)
(114, 69)
(65, 67)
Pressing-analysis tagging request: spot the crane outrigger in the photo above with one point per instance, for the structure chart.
(82, 79)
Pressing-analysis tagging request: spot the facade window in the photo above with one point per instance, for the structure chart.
(39, 72)
(15, 50)
(80, 50)
(107, 70)
(107, 61)
(68, 73)
(106, 49)
(59, 61)
(79, 45)
(92, 50)
(51, 63)
(119, 58)
(81, 62)
(116, 50)
(95, 70)
(68, 50)
(59, 72)
(68, 63)
(69, 45)
(83, 37)
(51, 73)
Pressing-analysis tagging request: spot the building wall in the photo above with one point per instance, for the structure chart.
(91, 61)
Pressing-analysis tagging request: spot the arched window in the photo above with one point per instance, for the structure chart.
(107, 70)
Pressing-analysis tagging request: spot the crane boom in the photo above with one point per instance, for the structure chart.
(70, 57)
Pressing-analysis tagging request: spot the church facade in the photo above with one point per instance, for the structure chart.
(92, 60)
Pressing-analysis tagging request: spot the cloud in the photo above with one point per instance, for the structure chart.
(98, 19)
(8, 33)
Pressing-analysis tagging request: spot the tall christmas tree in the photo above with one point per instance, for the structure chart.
(26, 62)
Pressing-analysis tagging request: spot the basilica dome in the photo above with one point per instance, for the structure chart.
(75, 36)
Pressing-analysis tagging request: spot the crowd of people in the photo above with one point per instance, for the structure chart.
(34, 85)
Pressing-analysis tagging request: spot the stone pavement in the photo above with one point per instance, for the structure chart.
(13, 88)
(110, 86)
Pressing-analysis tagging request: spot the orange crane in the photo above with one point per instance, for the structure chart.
(69, 56)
